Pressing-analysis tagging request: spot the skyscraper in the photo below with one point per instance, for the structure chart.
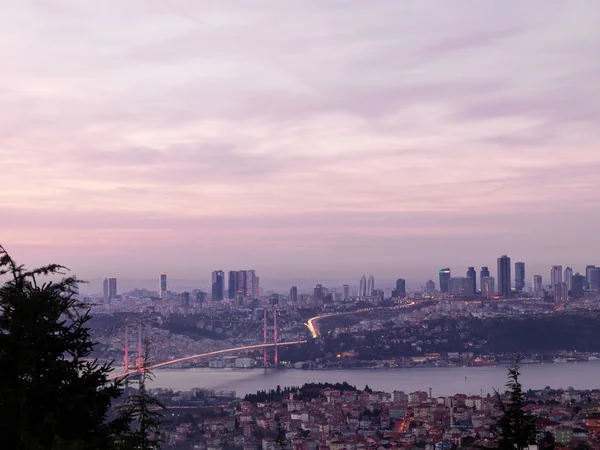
(105, 290)
(162, 284)
(555, 276)
(430, 287)
(577, 285)
(185, 299)
(362, 287)
(232, 283)
(472, 276)
(588, 274)
(370, 286)
(251, 284)
(460, 286)
(112, 288)
(519, 276)
(594, 279)
(242, 283)
(561, 293)
(444, 278)
(537, 285)
(485, 272)
(346, 292)
(569, 277)
(109, 288)
(488, 286)
(319, 294)
(294, 294)
(504, 276)
(218, 285)
(401, 288)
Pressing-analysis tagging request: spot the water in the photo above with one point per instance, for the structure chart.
(443, 381)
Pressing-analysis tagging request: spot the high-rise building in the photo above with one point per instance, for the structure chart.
(185, 299)
(460, 286)
(319, 293)
(294, 294)
(362, 287)
(594, 284)
(504, 278)
(370, 286)
(232, 283)
(444, 278)
(200, 298)
(488, 286)
(561, 293)
(430, 287)
(346, 292)
(162, 284)
(537, 285)
(555, 276)
(519, 276)
(242, 283)
(109, 288)
(218, 285)
(569, 277)
(401, 288)
(105, 290)
(472, 276)
(112, 288)
(588, 274)
(577, 285)
(485, 272)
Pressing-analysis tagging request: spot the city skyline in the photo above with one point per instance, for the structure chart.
(364, 286)
(300, 139)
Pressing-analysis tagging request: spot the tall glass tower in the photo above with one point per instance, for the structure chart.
(504, 276)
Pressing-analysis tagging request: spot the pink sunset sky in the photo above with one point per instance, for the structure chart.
(300, 138)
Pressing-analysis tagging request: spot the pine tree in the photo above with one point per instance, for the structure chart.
(143, 413)
(52, 396)
(517, 428)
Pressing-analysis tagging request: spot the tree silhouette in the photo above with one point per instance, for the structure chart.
(517, 428)
(142, 412)
(52, 396)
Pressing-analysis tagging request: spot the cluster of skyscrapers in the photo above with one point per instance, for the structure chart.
(560, 287)
(240, 284)
(109, 287)
(244, 284)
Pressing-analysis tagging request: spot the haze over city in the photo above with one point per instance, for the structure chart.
(307, 140)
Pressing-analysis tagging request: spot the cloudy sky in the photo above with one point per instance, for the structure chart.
(304, 138)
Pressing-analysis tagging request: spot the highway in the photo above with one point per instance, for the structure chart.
(312, 324)
(204, 355)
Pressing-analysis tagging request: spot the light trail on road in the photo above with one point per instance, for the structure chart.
(312, 322)
(203, 355)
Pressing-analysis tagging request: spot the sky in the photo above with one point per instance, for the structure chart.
(310, 139)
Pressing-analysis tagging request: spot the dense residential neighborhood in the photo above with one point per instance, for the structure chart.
(337, 417)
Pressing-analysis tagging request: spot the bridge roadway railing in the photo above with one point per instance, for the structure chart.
(204, 355)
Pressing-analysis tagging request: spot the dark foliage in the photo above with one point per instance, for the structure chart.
(517, 428)
(143, 412)
(306, 392)
(51, 395)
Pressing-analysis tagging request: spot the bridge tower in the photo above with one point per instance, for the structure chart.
(126, 357)
(266, 329)
(276, 356)
(140, 356)
(265, 337)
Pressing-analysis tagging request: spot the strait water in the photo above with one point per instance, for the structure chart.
(443, 381)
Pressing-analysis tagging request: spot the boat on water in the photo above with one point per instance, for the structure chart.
(560, 360)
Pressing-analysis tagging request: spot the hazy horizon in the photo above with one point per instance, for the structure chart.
(301, 139)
